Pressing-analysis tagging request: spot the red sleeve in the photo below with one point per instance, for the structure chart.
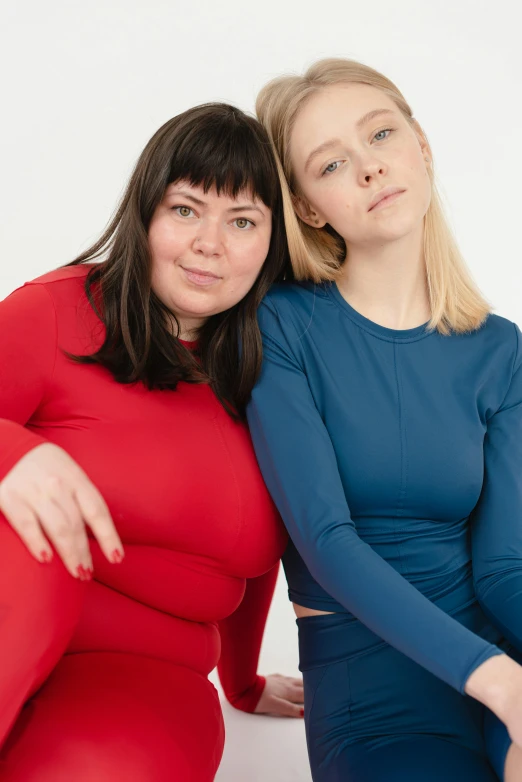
(27, 353)
(241, 637)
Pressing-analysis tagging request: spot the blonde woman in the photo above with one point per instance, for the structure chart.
(388, 424)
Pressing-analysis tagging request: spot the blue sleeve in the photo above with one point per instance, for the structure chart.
(497, 519)
(299, 466)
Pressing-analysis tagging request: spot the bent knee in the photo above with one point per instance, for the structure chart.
(39, 607)
(35, 598)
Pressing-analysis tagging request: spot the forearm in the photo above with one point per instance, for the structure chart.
(501, 600)
(15, 442)
(241, 638)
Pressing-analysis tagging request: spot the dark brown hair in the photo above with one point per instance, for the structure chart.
(213, 145)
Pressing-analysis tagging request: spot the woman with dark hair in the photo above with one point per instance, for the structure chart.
(122, 403)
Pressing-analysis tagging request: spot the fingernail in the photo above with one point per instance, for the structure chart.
(301, 712)
(116, 556)
(85, 574)
(45, 556)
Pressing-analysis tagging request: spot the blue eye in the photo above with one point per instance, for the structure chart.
(386, 131)
(331, 167)
(184, 211)
(245, 223)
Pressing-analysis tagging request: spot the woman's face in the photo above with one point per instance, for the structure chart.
(349, 147)
(207, 250)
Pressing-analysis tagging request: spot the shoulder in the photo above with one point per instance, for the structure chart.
(499, 327)
(67, 275)
(501, 336)
(498, 356)
(39, 302)
(291, 304)
(63, 287)
(286, 295)
(502, 356)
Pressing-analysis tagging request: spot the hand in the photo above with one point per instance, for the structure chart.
(282, 697)
(512, 717)
(497, 683)
(509, 708)
(46, 497)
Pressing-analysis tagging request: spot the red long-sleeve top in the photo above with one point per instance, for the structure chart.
(201, 535)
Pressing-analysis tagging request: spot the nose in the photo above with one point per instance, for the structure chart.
(371, 168)
(209, 239)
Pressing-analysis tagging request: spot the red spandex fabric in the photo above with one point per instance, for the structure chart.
(113, 672)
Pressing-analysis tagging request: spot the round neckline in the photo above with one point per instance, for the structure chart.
(190, 344)
(417, 332)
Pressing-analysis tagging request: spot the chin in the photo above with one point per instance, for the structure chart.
(194, 309)
(400, 228)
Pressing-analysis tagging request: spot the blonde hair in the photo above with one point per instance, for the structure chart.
(317, 253)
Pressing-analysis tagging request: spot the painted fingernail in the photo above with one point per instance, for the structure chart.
(45, 556)
(84, 574)
(301, 712)
(116, 556)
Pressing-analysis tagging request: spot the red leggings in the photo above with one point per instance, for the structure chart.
(70, 712)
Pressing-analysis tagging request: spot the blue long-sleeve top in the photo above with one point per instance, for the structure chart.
(395, 460)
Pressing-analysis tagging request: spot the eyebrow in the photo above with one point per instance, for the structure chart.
(245, 207)
(333, 142)
(241, 208)
(371, 115)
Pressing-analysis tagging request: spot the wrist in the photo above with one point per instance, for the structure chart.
(248, 699)
(256, 691)
(495, 683)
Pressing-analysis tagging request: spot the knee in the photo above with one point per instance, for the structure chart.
(39, 608)
(31, 590)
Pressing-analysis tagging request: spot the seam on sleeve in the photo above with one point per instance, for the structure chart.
(515, 355)
(266, 335)
(53, 366)
(501, 406)
(297, 333)
(300, 336)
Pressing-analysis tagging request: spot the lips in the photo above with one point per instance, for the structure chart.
(200, 277)
(385, 196)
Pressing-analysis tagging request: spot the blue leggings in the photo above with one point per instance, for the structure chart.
(373, 715)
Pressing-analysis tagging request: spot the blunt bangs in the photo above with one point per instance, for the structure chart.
(225, 149)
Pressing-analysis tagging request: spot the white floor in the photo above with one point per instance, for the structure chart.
(268, 749)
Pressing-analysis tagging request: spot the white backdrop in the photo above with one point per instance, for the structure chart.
(84, 86)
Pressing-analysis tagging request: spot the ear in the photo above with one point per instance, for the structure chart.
(423, 141)
(305, 212)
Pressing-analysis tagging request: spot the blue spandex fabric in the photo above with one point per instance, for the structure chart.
(395, 459)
